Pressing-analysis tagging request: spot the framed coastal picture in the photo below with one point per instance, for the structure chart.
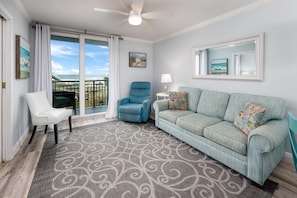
(137, 59)
(22, 58)
(219, 66)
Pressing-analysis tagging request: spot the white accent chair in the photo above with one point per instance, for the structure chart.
(42, 113)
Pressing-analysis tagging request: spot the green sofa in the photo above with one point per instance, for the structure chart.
(207, 125)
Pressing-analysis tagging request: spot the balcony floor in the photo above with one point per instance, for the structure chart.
(90, 110)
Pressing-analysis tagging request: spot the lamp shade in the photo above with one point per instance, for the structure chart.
(166, 78)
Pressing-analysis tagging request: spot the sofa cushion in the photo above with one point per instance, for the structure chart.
(213, 103)
(172, 115)
(250, 117)
(196, 122)
(178, 100)
(226, 134)
(193, 97)
(275, 107)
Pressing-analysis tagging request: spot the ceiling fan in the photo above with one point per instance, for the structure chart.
(135, 16)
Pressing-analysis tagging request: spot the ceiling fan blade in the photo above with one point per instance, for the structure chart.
(156, 15)
(111, 11)
(137, 6)
(121, 23)
(125, 6)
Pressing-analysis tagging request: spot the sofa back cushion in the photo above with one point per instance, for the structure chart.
(275, 107)
(213, 103)
(193, 97)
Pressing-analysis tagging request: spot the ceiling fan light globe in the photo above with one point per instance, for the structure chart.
(134, 19)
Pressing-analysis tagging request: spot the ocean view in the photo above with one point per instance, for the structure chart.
(75, 77)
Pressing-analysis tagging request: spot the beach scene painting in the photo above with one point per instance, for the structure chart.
(137, 59)
(219, 66)
(22, 58)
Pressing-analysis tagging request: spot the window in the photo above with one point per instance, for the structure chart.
(80, 70)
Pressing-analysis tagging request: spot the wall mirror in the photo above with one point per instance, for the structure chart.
(240, 59)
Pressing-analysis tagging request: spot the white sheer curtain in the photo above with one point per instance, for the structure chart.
(42, 75)
(114, 70)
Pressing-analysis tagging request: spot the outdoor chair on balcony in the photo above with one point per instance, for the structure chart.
(64, 99)
(42, 113)
(137, 107)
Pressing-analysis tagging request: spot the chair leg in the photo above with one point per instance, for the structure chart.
(293, 152)
(295, 161)
(34, 129)
(70, 126)
(56, 133)
(45, 129)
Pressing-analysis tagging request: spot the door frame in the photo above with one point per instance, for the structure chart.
(7, 77)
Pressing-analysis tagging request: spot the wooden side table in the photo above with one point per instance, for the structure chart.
(162, 96)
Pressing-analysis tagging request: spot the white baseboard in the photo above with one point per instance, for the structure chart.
(18, 145)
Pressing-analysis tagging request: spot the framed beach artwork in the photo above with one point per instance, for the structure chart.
(22, 58)
(219, 66)
(137, 59)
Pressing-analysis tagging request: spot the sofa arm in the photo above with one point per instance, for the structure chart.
(266, 148)
(268, 136)
(159, 105)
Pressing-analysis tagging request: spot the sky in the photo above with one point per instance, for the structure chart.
(65, 58)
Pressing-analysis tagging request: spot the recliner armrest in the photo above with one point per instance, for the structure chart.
(146, 109)
(146, 102)
(123, 101)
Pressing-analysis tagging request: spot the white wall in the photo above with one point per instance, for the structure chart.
(130, 74)
(277, 19)
(18, 122)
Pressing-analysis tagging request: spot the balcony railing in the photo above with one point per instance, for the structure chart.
(96, 91)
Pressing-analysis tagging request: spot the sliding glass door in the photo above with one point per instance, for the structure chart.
(96, 65)
(80, 70)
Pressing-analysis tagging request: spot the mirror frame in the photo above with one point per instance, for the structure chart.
(259, 38)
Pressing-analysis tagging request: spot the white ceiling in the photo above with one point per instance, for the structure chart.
(79, 14)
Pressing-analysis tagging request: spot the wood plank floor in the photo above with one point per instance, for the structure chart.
(17, 174)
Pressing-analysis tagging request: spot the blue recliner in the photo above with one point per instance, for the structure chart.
(137, 107)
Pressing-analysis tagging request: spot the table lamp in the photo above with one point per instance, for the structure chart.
(166, 78)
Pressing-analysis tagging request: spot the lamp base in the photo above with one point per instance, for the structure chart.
(165, 89)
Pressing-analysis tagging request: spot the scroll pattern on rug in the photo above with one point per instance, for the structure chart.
(118, 159)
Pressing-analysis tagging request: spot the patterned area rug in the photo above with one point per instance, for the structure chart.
(119, 159)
